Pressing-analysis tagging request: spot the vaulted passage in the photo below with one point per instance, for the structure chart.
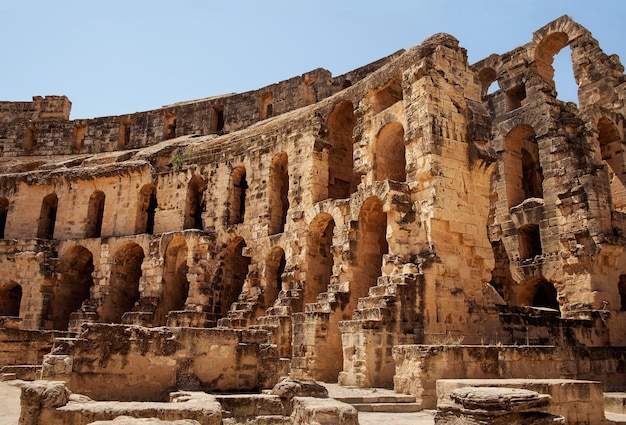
(72, 288)
(175, 284)
(522, 170)
(95, 214)
(529, 241)
(371, 247)
(237, 195)
(47, 217)
(10, 299)
(146, 209)
(621, 287)
(389, 153)
(340, 124)
(612, 154)
(545, 295)
(278, 194)
(319, 256)
(123, 283)
(235, 270)
(194, 204)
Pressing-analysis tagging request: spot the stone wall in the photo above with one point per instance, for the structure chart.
(419, 367)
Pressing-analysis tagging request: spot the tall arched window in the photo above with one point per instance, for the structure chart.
(278, 193)
(47, 217)
(123, 284)
(389, 153)
(522, 169)
(175, 284)
(146, 209)
(194, 204)
(274, 269)
(234, 271)
(319, 256)
(95, 214)
(340, 124)
(237, 195)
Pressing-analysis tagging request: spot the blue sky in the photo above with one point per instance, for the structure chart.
(115, 57)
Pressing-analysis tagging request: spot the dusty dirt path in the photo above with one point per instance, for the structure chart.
(9, 404)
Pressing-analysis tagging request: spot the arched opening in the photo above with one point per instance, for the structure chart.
(72, 288)
(529, 241)
(278, 194)
(555, 64)
(488, 83)
(514, 97)
(194, 204)
(95, 214)
(340, 124)
(545, 295)
(545, 51)
(319, 257)
(274, 269)
(237, 195)
(47, 217)
(10, 300)
(123, 283)
(146, 209)
(522, 169)
(621, 287)
(235, 271)
(175, 284)
(371, 247)
(389, 153)
(386, 95)
(4, 210)
(612, 153)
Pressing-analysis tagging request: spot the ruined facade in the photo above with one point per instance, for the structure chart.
(313, 225)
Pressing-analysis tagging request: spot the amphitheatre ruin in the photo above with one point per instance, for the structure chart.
(400, 227)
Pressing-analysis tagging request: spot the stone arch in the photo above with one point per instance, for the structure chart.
(278, 193)
(237, 195)
(274, 268)
(235, 270)
(340, 125)
(194, 203)
(545, 51)
(4, 210)
(319, 256)
(10, 299)
(95, 214)
(175, 286)
(386, 95)
(487, 77)
(123, 283)
(522, 169)
(72, 288)
(545, 295)
(371, 247)
(389, 153)
(612, 153)
(47, 216)
(146, 209)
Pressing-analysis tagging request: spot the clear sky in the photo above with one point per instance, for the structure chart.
(122, 56)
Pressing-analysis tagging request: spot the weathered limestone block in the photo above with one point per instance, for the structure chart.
(127, 420)
(288, 388)
(495, 406)
(39, 398)
(322, 411)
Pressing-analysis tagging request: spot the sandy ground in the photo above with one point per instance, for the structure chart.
(9, 404)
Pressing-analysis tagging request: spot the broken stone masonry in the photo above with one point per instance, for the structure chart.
(389, 227)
